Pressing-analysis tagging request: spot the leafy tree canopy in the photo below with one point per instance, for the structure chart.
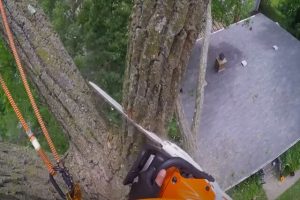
(291, 9)
(95, 34)
(229, 11)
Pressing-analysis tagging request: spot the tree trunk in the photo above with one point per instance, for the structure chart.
(162, 35)
(62, 87)
(202, 72)
(22, 174)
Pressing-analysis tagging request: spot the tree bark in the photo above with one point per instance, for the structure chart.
(202, 71)
(62, 87)
(189, 139)
(161, 37)
(22, 174)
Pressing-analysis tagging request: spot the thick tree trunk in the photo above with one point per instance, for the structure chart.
(61, 85)
(22, 174)
(161, 36)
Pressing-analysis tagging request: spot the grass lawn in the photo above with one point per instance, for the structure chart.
(293, 193)
(251, 189)
(248, 190)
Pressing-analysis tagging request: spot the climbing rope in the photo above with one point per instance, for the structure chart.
(74, 192)
(25, 83)
(27, 130)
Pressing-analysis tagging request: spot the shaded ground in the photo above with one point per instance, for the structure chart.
(251, 114)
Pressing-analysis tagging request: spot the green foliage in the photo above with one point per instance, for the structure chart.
(248, 190)
(95, 35)
(291, 9)
(230, 11)
(286, 12)
(173, 130)
(251, 188)
(48, 6)
(291, 159)
(62, 19)
(269, 8)
(10, 128)
(293, 193)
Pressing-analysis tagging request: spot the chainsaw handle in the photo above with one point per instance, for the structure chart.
(184, 167)
(141, 161)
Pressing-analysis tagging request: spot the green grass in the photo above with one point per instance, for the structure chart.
(10, 129)
(293, 193)
(251, 188)
(248, 190)
(291, 159)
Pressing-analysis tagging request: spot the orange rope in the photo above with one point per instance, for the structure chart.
(24, 80)
(13, 104)
(46, 161)
(25, 126)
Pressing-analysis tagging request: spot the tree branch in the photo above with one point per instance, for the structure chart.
(189, 139)
(202, 71)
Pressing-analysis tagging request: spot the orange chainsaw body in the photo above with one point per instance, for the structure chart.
(175, 186)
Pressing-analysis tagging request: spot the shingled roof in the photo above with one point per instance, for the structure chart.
(251, 114)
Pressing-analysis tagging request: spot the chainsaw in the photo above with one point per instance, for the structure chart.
(184, 179)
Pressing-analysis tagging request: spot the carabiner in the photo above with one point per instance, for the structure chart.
(74, 192)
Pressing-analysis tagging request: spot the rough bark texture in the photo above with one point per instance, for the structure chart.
(189, 139)
(202, 71)
(161, 37)
(22, 174)
(61, 85)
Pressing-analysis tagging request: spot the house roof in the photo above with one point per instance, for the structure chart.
(251, 114)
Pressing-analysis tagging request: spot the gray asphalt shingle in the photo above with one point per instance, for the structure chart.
(251, 114)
